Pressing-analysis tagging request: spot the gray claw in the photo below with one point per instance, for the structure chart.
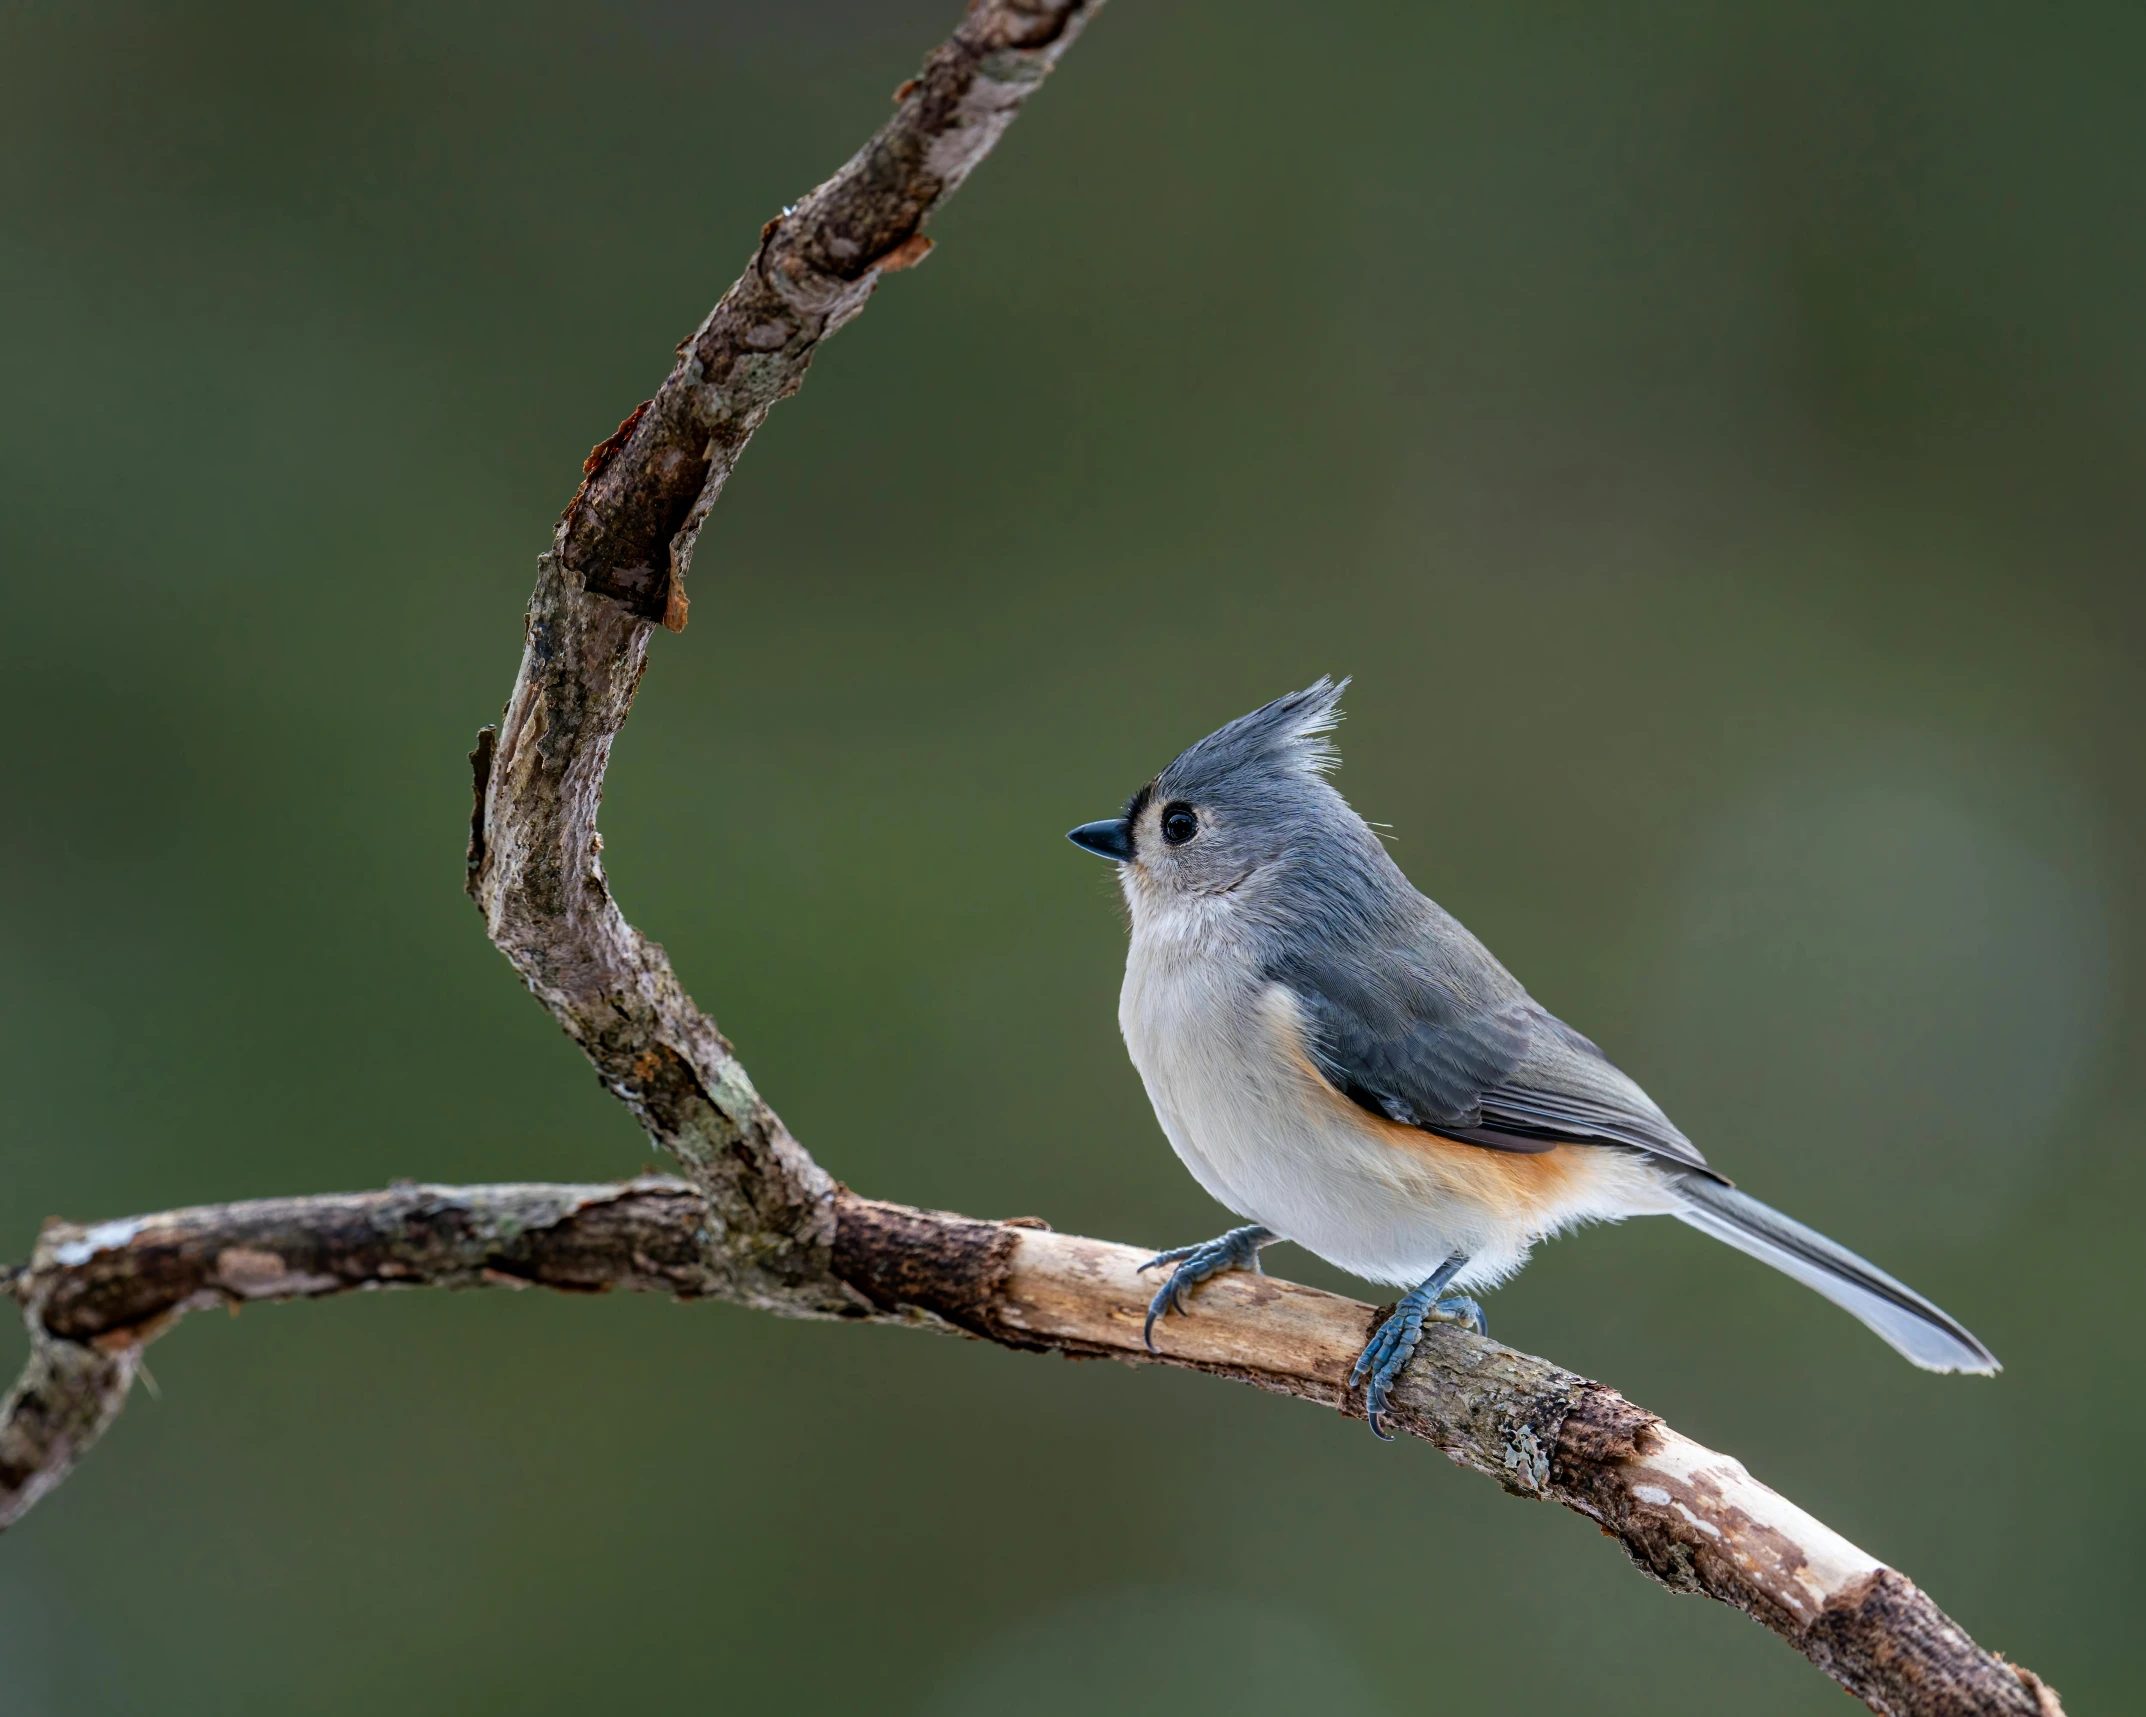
(1236, 1250)
(1393, 1343)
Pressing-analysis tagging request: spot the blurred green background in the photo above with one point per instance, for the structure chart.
(1712, 438)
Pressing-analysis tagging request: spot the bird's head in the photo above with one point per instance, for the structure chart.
(1246, 800)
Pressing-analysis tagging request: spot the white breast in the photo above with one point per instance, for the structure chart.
(1187, 1012)
(1218, 1049)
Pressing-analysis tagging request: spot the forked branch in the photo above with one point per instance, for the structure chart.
(757, 1220)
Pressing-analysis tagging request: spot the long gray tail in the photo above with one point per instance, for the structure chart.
(1897, 1312)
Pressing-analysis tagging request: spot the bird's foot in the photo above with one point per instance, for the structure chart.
(1236, 1250)
(1394, 1341)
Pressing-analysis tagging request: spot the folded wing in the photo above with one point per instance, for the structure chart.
(1396, 1033)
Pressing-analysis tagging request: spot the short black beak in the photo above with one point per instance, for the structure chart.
(1111, 838)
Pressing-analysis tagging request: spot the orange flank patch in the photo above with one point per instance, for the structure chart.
(1515, 1184)
(1510, 1183)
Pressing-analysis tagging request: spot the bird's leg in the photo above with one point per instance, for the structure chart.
(1236, 1250)
(1395, 1340)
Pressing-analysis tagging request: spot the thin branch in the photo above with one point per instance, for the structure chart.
(94, 1297)
(1692, 1518)
(761, 1223)
(617, 567)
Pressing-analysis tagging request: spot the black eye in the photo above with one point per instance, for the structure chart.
(1179, 824)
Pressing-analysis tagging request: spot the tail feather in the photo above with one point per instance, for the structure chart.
(1895, 1311)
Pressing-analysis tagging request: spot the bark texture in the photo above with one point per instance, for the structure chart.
(94, 1297)
(1690, 1517)
(617, 567)
(756, 1220)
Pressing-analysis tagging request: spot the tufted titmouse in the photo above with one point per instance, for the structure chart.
(1338, 1060)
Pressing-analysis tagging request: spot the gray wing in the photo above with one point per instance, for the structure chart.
(1396, 1035)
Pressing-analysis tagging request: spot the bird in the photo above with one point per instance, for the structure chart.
(1338, 1061)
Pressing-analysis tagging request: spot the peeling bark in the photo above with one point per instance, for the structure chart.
(758, 1221)
(1690, 1517)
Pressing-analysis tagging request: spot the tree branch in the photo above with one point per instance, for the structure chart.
(759, 1222)
(1691, 1518)
(617, 566)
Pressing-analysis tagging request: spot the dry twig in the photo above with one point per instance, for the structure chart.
(757, 1220)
